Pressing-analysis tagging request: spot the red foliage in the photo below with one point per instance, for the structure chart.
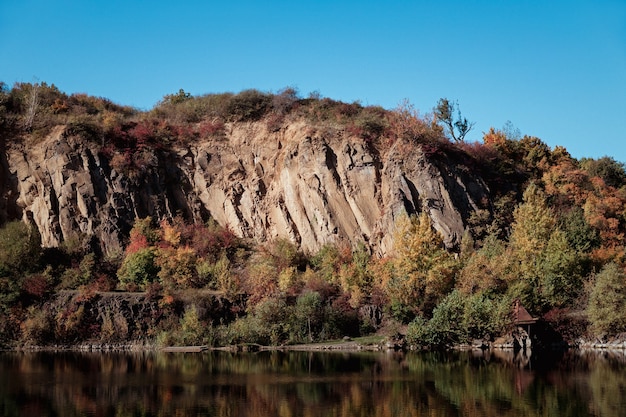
(274, 121)
(321, 286)
(85, 294)
(143, 132)
(431, 149)
(570, 325)
(212, 241)
(482, 153)
(211, 128)
(36, 285)
(341, 305)
(137, 242)
(103, 283)
(354, 130)
(154, 291)
(347, 109)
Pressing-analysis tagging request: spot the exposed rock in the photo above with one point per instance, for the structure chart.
(310, 186)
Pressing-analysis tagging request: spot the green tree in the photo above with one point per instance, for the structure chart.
(20, 253)
(611, 171)
(545, 270)
(580, 235)
(456, 125)
(480, 317)
(445, 328)
(561, 272)
(531, 231)
(307, 315)
(20, 248)
(607, 301)
(138, 268)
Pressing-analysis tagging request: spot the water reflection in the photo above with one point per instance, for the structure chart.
(311, 384)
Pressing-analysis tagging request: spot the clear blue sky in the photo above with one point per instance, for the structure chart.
(555, 68)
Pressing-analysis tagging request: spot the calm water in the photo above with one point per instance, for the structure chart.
(310, 384)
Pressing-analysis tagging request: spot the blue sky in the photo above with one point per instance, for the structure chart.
(556, 69)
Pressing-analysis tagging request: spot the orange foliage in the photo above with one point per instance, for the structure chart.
(137, 242)
(494, 138)
(170, 234)
(568, 182)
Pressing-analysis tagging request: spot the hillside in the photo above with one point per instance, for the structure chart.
(360, 215)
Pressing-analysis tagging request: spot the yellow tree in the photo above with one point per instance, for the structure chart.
(531, 231)
(422, 271)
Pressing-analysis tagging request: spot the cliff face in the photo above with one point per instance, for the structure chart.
(312, 186)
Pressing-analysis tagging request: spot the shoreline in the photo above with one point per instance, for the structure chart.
(330, 345)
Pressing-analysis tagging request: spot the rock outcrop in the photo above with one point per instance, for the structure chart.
(312, 186)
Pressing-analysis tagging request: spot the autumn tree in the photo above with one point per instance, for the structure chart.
(421, 271)
(355, 276)
(485, 269)
(277, 261)
(534, 223)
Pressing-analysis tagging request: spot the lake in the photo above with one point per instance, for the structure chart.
(325, 384)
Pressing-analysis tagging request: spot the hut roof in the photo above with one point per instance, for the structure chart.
(521, 315)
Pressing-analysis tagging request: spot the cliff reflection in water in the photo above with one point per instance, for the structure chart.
(311, 384)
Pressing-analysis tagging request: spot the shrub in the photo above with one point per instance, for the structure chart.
(273, 314)
(37, 328)
(211, 241)
(138, 268)
(417, 333)
(114, 327)
(191, 328)
(249, 105)
(284, 101)
(37, 285)
(371, 122)
(69, 323)
(248, 329)
(341, 319)
(84, 127)
(445, 328)
(177, 267)
(480, 317)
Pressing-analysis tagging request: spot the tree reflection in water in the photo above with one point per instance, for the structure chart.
(311, 384)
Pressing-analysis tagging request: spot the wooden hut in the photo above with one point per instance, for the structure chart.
(523, 319)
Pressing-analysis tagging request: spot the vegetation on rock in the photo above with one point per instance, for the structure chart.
(551, 235)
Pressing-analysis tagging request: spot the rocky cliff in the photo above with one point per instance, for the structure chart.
(310, 185)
